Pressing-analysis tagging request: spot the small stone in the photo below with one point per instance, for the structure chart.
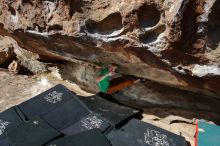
(14, 66)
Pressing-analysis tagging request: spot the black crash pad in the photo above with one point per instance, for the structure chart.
(91, 121)
(67, 114)
(113, 113)
(4, 141)
(35, 132)
(9, 119)
(87, 138)
(137, 133)
(46, 101)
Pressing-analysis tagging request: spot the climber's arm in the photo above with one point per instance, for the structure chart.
(104, 76)
(99, 79)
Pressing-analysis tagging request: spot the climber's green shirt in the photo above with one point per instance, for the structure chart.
(105, 83)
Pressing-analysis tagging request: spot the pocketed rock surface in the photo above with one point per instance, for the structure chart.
(172, 42)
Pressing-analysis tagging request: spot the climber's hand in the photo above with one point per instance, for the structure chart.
(112, 73)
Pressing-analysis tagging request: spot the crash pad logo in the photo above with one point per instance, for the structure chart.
(91, 122)
(155, 138)
(54, 97)
(3, 126)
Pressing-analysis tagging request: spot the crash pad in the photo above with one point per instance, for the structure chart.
(208, 134)
(35, 132)
(138, 133)
(46, 101)
(91, 121)
(67, 114)
(92, 137)
(114, 113)
(9, 119)
(4, 141)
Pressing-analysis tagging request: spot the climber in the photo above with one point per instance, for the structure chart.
(108, 84)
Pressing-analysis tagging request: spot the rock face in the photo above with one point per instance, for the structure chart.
(23, 60)
(172, 42)
(6, 51)
(145, 95)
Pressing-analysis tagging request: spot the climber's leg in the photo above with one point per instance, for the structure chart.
(121, 85)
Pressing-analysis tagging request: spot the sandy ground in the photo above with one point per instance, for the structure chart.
(15, 89)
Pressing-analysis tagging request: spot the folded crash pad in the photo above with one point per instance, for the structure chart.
(208, 134)
(87, 138)
(46, 101)
(91, 121)
(9, 119)
(137, 133)
(35, 132)
(113, 113)
(67, 114)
